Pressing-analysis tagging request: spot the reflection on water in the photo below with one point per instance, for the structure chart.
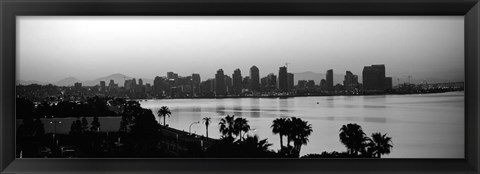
(415, 122)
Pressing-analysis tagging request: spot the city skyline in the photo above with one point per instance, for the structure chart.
(88, 48)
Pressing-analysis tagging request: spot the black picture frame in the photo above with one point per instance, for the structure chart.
(470, 9)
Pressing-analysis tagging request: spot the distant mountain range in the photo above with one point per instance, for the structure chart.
(307, 75)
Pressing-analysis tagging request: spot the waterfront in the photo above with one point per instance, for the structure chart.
(421, 126)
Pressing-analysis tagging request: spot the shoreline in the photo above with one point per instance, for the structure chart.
(293, 96)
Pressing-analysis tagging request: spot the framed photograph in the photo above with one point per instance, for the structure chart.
(253, 86)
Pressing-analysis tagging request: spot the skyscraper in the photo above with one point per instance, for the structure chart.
(196, 84)
(271, 81)
(291, 82)
(228, 84)
(374, 77)
(282, 79)
(237, 81)
(140, 82)
(102, 86)
(388, 83)
(220, 83)
(350, 81)
(254, 78)
(329, 80)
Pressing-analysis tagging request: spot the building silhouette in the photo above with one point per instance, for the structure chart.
(329, 80)
(374, 77)
(388, 83)
(283, 78)
(220, 88)
(102, 86)
(237, 81)
(350, 81)
(196, 84)
(291, 82)
(254, 78)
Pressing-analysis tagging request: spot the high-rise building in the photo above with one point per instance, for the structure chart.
(102, 86)
(220, 83)
(310, 84)
(323, 85)
(196, 84)
(254, 78)
(271, 81)
(78, 85)
(329, 80)
(350, 81)
(302, 84)
(228, 84)
(140, 82)
(159, 85)
(388, 83)
(291, 82)
(237, 81)
(246, 83)
(374, 77)
(283, 79)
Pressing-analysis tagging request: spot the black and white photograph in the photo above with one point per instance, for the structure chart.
(240, 87)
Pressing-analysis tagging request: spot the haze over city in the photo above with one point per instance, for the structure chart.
(53, 48)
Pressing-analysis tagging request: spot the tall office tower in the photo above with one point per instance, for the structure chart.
(388, 83)
(237, 81)
(254, 78)
(330, 80)
(283, 79)
(271, 81)
(291, 82)
(350, 81)
(310, 84)
(246, 82)
(220, 83)
(374, 77)
(228, 84)
(323, 85)
(302, 84)
(196, 84)
(140, 82)
(102, 86)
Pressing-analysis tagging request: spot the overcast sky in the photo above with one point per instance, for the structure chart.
(53, 48)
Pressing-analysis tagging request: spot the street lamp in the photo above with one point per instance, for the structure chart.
(190, 127)
(55, 128)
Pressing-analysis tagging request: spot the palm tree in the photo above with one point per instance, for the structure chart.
(227, 126)
(381, 144)
(353, 137)
(206, 121)
(164, 112)
(278, 127)
(300, 132)
(241, 125)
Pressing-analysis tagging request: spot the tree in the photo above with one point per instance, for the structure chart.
(227, 126)
(76, 127)
(95, 125)
(84, 124)
(380, 144)
(241, 125)
(278, 127)
(300, 131)
(206, 121)
(353, 137)
(164, 112)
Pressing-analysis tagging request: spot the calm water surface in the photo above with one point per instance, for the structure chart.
(421, 126)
